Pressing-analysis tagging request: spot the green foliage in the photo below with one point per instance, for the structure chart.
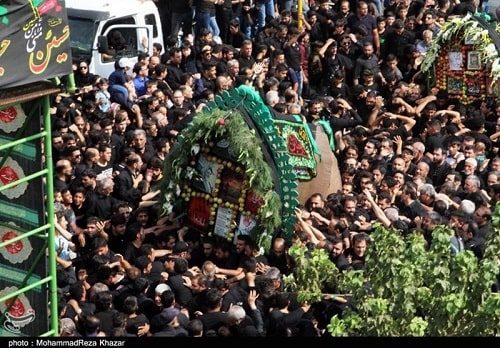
(407, 290)
(312, 273)
(458, 29)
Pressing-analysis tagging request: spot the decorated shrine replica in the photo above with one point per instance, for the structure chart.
(463, 59)
(234, 171)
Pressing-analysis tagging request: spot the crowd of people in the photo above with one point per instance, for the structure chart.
(410, 158)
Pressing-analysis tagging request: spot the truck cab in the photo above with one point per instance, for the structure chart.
(103, 31)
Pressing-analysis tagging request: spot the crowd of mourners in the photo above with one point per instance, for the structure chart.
(410, 158)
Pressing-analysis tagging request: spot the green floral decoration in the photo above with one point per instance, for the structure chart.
(230, 125)
(467, 28)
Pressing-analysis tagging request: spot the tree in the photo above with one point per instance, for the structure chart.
(312, 272)
(407, 290)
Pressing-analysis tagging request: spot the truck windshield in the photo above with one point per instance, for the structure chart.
(81, 36)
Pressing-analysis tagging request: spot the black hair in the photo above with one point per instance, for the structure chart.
(130, 305)
(142, 262)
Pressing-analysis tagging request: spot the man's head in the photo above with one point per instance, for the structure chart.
(362, 9)
(370, 148)
(246, 49)
(398, 164)
(472, 184)
(470, 166)
(368, 49)
(279, 247)
(101, 246)
(350, 204)
(315, 201)
(438, 155)
(422, 169)
(337, 247)
(360, 243)
(482, 215)
(241, 242)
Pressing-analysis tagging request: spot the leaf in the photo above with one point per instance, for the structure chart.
(337, 327)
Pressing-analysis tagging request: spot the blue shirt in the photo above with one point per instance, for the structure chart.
(140, 85)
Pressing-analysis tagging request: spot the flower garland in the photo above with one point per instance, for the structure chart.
(200, 134)
(469, 29)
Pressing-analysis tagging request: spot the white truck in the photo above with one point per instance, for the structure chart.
(93, 23)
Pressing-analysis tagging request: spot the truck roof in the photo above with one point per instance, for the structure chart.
(98, 9)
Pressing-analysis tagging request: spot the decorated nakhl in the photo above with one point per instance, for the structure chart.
(231, 171)
(463, 59)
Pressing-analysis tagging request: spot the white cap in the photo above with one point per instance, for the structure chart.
(125, 62)
(162, 287)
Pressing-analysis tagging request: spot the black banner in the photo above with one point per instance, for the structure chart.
(22, 208)
(34, 41)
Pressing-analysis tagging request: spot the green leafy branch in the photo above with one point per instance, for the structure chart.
(313, 271)
(407, 290)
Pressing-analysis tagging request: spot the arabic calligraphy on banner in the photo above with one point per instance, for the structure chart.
(34, 41)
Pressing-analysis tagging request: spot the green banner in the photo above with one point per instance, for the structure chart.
(22, 209)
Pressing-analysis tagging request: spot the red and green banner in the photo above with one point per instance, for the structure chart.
(34, 41)
(22, 209)
(300, 145)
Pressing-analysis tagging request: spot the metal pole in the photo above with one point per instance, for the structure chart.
(71, 87)
(24, 235)
(299, 14)
(25, 289)
(54, 314)
(23, 180)
(22, 141)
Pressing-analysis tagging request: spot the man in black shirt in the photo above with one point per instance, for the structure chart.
(398, 38)
(292, 55)
(246, 60)
(174, 68)
(439, 167)
(117, 240)
(235, 36)
(411, 207)
(207, 80)
(337, 256)
(367, 61)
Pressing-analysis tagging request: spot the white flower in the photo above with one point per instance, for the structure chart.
(177, 190)
(195, 149)
(189, 172)
(496, 65)
(495, 70)
(168, 207)
(490, 51)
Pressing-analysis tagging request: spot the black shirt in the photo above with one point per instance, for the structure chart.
(246, 62)
(203, 6)
(292, 56)
(179, 6)
(174, 76)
